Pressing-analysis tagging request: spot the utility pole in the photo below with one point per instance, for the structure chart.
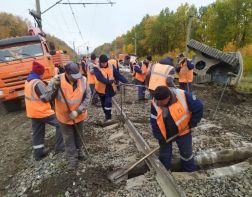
(189, 28)
(38, 12)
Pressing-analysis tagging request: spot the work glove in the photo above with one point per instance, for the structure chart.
(56, 82)
(73, 115)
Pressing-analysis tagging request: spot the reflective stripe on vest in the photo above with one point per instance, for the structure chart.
(185, 75)
(141, 76)
(74, 99)
(108, 74)
(35, 108)
(159, 74)
(179, 112)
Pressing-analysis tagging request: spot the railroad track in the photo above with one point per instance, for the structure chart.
(110, 147)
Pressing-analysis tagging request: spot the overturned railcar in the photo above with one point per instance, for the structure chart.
(213, 65)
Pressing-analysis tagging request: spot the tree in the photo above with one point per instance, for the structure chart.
(220, 23)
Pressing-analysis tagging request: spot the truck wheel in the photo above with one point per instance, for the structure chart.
(13, 105)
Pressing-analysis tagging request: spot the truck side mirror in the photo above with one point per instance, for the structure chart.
(52, 48)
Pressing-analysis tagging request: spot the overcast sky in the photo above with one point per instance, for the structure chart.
(98, 23)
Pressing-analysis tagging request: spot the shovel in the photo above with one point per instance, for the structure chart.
(121, 174)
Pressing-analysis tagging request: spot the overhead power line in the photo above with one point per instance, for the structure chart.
(76, 21)
(51, 6)
(90, 3)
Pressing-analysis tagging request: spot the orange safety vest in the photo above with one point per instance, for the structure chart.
(74, 99)
(108, 74)
(90, 76)
(35, 108)
(113, 62)
(141, 76)
(159, 74)
(185, 75)
(179, 112)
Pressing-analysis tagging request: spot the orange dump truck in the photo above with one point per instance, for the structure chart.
(16, 57)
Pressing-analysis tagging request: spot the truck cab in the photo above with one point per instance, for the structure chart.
(16, 57)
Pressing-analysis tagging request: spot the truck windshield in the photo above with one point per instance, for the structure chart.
(20, 52)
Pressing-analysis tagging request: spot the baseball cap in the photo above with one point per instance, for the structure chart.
(73, 69)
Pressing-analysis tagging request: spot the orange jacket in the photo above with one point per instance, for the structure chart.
(141, 76)
(159, 74)
(35, 108)
(74, 99)
(90, 76)
(108, 74)
(179, 112)
(185, 75)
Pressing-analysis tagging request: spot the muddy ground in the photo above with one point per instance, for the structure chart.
(234, 114)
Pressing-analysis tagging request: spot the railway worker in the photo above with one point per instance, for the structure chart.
(40, 112)
(161, 74)
(126, 61)
(91, 78)
(83, 65)
(132, 68)
(77, 94)
(105, 76)
(149, 60)
(140, 74)
(175, 111)
(185, 72)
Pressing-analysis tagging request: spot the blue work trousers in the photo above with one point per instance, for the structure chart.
(93, 94)
(38, 135)
(184, 143)
(106, 102)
